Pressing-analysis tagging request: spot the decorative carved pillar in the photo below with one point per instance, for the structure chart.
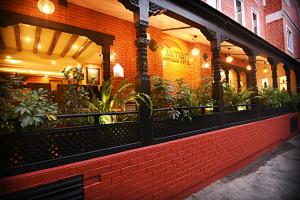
(226, 70)
(273, 64)
(142, 10)
(288, 77)
(253, 82)
(248, 80)
(238, 79)
(252, 62)
(215, 44)
(106, 61)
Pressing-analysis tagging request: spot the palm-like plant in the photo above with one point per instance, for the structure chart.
(112, 100)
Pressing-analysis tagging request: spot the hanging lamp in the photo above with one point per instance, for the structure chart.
(195, 51)
(228, 58)
(46, 6)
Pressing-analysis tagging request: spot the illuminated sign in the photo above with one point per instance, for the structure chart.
(175, 56)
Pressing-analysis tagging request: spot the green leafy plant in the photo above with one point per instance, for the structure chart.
(76, 97)
(36, 109)
(162, 93)
(275, 98)
(115, 99)
(233, 98)
(185, 95)
(204, 93)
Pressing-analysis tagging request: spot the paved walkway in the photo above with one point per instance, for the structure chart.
(275, 176)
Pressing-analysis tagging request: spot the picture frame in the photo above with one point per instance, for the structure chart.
(92, 76)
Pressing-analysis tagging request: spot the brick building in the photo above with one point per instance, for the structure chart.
(246, 43)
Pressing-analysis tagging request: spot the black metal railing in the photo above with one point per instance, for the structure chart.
(165, 123)
(69, 140)
(77, 137)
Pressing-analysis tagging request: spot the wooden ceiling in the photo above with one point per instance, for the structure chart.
(40, 48)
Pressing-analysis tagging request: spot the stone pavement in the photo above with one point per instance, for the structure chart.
(275, 176)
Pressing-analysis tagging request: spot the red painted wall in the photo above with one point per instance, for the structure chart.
(168, 170)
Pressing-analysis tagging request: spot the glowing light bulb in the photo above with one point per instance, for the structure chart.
(229, 59)
(46, 6)
(195, 51)
(248, 67)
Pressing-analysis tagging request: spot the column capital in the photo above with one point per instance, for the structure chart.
(273, 62)
(251, 52)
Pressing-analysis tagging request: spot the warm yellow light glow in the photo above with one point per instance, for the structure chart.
(118, 70)
(74, 46)
(265, 70)
(39, 46)
(13, 61)
(206, 65)
(27, 39)
(53, 62)
(148, 36)
(8, 57)
(163, 52)
(46, 75)
(30, 71)
(195, 51)
(248, 67)
(113, 57)
(46, 6)
(229, 59)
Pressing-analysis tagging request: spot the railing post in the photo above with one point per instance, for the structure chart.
(215, 45)
(251, 53)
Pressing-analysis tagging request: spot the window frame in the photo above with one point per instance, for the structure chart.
(243, 11)
(287, 39)
(254, 11)
(218, 5)
(288, 2)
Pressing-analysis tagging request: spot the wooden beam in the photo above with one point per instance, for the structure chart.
(2, 45)
(38, 31)
(86, 44)
(18, 37)
(54, 42)
(71, 41)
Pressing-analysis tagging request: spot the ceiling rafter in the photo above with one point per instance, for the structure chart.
(38, 31)
(18, 37)
(2, 45)
(71, 41)
(86, 44)
(54, 42)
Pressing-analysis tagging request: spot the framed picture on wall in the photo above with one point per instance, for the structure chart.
(93, 76)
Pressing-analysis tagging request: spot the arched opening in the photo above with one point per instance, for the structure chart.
(281, 77)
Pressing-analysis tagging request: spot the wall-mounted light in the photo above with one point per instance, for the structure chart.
(206, 63)
(46, 6)
(248, 67)
(118, 70)
(195, 51)
(148, 36)
(228, 57)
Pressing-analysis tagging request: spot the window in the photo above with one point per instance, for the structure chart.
(255, 22)
(214, 3)
(289, 39)
(287, 2)
(239, 11)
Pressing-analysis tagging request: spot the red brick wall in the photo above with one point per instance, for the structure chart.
(273, 6)
(275, 34)
(167, 170)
